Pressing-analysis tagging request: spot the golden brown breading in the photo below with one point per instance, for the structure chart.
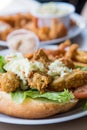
(81, 56)
(41, 56)
(65, 44)
(57, 29)
(72, 80)
(9, 82)
(39, 81)
(54, 54)
(61, 30)
(72, 51)
(43, 33)
(68, 62)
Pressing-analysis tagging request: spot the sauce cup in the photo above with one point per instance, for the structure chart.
(23, 41)
(44, 19)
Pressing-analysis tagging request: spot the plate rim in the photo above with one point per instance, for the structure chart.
(41, 121)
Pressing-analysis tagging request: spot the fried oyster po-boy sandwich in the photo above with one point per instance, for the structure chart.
(39, 87)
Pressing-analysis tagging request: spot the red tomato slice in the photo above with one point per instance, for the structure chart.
(81, 92)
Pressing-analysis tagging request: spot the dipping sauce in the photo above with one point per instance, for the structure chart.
(23, 41)
(51, 8)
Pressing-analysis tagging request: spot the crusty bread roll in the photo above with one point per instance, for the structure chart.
(31, 108)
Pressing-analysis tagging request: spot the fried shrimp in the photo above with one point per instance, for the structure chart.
(9, 82)
(81, 56)
(39, 81)
(43, 33)
(57, 29)
(65, 44)
(68, 62)
(73, 80)
(72, 51)
(41, 57)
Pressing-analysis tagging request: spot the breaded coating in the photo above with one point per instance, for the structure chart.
(65, 44)
(43, 33)
(9, 82)
(57, 29)
(73, 80)
(81, 56)
(72, 51)
(39, 81)
(68, 62)
(41, 57)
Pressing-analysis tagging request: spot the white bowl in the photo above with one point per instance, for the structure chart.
(48, 17)
(21, 41)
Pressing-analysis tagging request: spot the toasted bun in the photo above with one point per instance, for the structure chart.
(32, 108)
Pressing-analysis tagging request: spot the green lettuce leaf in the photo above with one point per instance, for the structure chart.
(18, 96)
(78, 66)
(61, 97)
(82, 68)
(2, 63)
(85, 104)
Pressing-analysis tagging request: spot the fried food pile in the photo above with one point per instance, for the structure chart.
(29, 22)
(69, 51)
(70, 56)
(47, 70)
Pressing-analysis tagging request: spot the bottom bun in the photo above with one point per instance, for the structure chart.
(32, 108)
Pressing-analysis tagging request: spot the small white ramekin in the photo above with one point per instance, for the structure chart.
(45, 19)
(22, 32)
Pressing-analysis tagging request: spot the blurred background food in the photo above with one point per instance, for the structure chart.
(47, 20)
(56, 29)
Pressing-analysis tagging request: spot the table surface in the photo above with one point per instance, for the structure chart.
(79, 124)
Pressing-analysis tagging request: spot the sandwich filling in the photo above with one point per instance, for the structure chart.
(39, 78)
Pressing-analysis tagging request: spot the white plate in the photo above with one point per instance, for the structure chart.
(73, 31)
(75, 113)
(71, 115)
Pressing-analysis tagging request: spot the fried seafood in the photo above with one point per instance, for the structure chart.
(59, 52)
(53, 34)
(9, 82)
(81, 56)
(43, 33)
(41, 57)
(40, 81)
(76, 79)
(68, 62)
(59, 71)
(57, 29)
(65, 44)
(72, 51)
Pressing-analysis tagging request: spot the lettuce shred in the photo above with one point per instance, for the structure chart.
(61, 97)
(2, 63)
